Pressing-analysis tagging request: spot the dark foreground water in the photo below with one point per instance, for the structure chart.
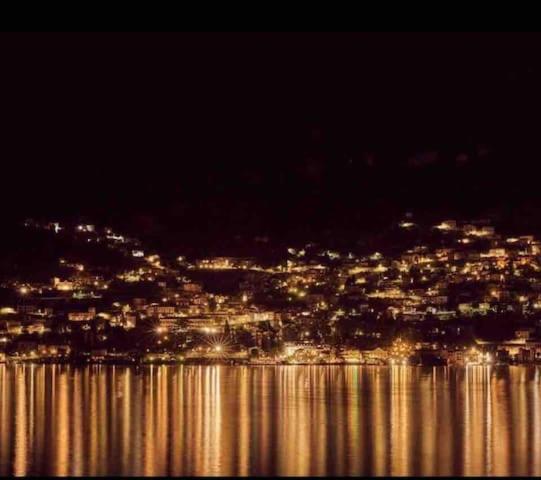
(295, 420)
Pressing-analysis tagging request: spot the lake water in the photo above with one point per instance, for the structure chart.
(265, 420)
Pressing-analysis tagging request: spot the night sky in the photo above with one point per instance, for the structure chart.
(220, 134)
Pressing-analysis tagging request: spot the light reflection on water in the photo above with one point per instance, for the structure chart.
(296, 420)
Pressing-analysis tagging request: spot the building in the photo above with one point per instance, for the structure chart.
(82, 316)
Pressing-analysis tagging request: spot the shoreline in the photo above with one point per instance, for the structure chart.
(248, 364)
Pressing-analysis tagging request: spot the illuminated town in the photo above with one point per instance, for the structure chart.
(269, 253)
(466, 295)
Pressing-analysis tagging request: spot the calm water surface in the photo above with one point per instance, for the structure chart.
(296, 420)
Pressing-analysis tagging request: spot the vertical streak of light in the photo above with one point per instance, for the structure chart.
(244, 424)
(31, 415)
(488, 422)
(103, 424)
(265, 418)
(381, 414)
(137, 406)
(162, 405)
(353, 417)
(520, 420)
(287, 391)
(76, 407)
(201, 426)
(40, 415)
(94, 422)
(466, 440)
(322, 424)
(199, 444)
(292, 460)
(299, 461)
(189, 429)
(339, 381)
(177, 421)
(405, 412)
(207, 427)
(427, 429)
(216, 427)
(535, 447)
(61, 416)
(21, 433)
(501, 429)
(110, 382)
(446, 423)
(5, 419)
(397, 466)
(149, 433)
(303, 439)
(479, 404)
(126, 421)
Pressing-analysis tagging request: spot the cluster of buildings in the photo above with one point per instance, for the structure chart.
(460, 293)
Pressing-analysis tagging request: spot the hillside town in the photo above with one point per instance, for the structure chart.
(466, 296)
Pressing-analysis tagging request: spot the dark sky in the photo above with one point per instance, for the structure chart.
(267, 131)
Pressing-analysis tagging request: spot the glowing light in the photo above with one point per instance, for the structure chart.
(406, 224)
(23, 290)
(64, 286)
